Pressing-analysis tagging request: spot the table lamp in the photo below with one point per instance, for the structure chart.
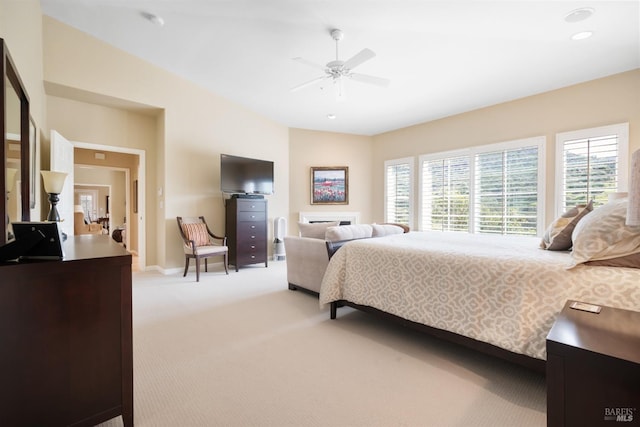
(53, 184)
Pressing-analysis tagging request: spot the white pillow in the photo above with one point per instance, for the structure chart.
(348, 232)
(603, 235)
(380, 230)
(315, 230)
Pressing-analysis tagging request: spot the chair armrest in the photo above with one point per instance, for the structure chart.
(223, 239)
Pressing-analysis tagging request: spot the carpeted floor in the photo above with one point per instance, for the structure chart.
(243, 350)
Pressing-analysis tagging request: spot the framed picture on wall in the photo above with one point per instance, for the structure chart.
(330, 185)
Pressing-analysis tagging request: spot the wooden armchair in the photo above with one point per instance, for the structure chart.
(200, 243)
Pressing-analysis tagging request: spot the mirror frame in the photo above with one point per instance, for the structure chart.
(9, 71)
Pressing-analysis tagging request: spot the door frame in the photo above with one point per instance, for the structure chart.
(140, 215)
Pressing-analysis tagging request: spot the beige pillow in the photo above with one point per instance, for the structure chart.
(348, 232)
(380, 230)
(197, 232)
(557, 237)
(315, 230)
(603, 235)
(629, 261)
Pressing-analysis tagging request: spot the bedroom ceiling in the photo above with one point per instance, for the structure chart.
(442, 57)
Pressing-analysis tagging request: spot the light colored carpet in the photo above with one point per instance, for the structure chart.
(243, 350)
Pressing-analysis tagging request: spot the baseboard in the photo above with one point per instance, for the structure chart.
(192, 268)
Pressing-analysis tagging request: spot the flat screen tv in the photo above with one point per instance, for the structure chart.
(242, 175)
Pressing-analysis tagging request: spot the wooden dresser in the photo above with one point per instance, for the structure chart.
(246, 231)
(66, 337)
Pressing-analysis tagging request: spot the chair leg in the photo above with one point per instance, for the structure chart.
(197, 269)
(186, 266)
(226, 262)
(205, 266)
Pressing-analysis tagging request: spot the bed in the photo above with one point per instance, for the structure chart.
(499, 294)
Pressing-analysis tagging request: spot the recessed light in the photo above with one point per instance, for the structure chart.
(579, 14)
(331, 116)
(153, 18)
(582, 35)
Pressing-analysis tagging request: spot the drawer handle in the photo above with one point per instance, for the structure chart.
(253, 206)
(253, 246)
(253, 216)
(253, 226)
(253, 256)
(253, 237)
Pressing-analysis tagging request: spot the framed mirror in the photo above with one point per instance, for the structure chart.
(15, 180)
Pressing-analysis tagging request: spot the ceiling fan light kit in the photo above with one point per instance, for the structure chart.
(337, 70)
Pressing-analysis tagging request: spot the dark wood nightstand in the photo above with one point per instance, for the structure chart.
(593, 368)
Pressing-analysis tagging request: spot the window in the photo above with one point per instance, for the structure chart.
(590, 164)
(88, 199)
(445, 195)
(494, 189)
(398, 191)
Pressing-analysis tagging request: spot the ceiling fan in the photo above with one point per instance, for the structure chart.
(337, 71)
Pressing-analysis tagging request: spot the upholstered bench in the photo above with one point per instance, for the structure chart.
(308, 253)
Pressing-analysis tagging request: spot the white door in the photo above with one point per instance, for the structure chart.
(62, 161)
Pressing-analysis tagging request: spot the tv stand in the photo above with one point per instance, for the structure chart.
(247, 196)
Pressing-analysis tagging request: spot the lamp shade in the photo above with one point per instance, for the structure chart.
(10, 178)
(633, 209)
(617, 195)
(53, 181)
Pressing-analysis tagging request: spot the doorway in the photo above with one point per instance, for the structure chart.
(126, 199)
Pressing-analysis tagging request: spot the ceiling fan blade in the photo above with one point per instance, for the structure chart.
(365, 78)
(309, 63)
(309, 83)
(359, 58)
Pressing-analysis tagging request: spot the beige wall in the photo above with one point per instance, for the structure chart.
(195, 126)
(311, 148)
(610, 100)
(99, 94)
(21, 29)
(116, 127)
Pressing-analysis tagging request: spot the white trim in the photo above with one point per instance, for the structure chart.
(142, 227)
(354, 217)
(401, 161)
(619, 129)
(539, 141)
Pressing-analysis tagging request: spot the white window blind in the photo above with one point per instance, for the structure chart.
(445, 194)
(398, 191)
(592, 163)
(506, 184)
(494, 189)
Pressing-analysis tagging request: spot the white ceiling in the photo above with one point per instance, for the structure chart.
(443, 57)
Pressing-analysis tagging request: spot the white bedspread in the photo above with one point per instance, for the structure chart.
(502, 290)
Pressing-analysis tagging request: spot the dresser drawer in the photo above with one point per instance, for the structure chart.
(252, 216)
(246, 228)
(251, 257)
(251, 206)
(251, 239)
